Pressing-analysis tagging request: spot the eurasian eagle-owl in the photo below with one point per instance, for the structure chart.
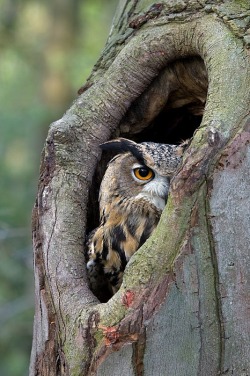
(132, 195)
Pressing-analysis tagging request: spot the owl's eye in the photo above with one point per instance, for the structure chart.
(143, 173)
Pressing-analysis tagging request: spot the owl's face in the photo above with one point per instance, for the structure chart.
(140, 173)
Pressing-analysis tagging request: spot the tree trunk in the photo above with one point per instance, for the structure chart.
(183, 307)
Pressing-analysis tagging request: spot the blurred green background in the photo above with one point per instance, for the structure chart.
(48, 49)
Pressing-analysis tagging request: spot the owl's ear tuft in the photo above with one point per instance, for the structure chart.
(180, 149)
(123, 145)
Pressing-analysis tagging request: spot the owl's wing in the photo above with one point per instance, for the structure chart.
(98, 282)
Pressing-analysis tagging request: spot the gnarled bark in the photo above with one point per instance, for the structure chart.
(182, 307)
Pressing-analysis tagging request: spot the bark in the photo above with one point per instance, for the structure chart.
(183, 307)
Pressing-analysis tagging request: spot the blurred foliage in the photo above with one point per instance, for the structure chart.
(47, 51)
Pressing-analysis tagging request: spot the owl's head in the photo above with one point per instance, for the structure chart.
(140, 172)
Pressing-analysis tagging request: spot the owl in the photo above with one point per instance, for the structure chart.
(132, 195)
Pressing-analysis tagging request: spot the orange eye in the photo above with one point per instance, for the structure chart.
(143, 173)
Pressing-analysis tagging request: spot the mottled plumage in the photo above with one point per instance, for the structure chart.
(132, 196)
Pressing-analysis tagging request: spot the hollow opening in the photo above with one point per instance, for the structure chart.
(169, 112)
(181, 126)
